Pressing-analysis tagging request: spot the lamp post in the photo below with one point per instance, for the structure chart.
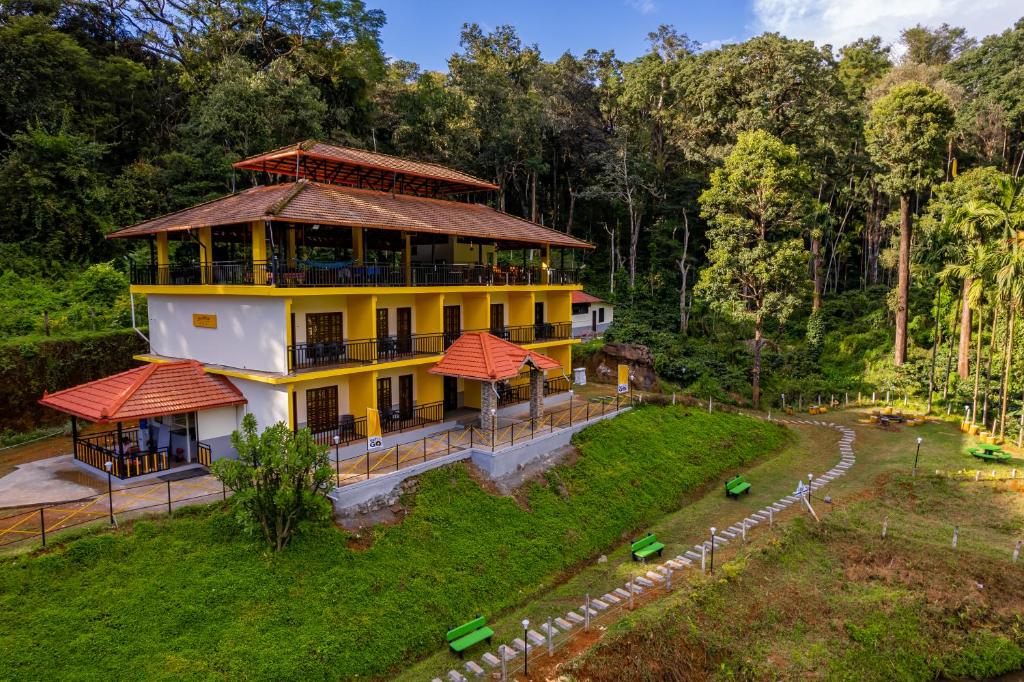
(810, 480)
(108, 465)
(526, 647)
(917, 454)
(711, 570)
(337, 466)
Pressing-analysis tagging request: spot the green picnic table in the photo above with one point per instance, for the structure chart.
(989, 447)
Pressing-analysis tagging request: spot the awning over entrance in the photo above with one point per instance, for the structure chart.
(150, 391)
(485, 357)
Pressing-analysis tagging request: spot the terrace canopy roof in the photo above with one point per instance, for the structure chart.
(149, 391)
(351, 167)
(485, 357)
(305, 201)
(584, 297)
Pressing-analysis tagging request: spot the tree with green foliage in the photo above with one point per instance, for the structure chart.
(906, 134)
(757, 208)
(280, 480)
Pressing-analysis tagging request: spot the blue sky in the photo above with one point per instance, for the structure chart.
(427, 31)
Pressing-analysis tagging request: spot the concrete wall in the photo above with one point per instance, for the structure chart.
(250, 334)
(581, 324)
(267, 402)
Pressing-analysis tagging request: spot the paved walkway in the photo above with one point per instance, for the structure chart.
(558, 629)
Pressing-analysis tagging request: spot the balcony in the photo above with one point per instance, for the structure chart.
(349, 428)
(130, 458)
(348, 274)
(333, 354)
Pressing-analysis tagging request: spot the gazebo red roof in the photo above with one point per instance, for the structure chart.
(485, 357)
(584, 297)
(149, 391)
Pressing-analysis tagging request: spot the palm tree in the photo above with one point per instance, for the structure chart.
(974, 269)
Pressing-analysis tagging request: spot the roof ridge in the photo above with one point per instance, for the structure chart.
(283, 202)
(485, 351)
(129, 391)
(403, 159)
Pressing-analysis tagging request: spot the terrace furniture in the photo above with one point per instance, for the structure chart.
(645, 547)
(990, 456)
(736, 486)
(468, 634)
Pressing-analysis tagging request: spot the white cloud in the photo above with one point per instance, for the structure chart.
(839, 22)
(708, 45)
(642, 6)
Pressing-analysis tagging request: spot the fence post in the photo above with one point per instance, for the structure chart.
(744, 528)
(397, 449)
(586, 611)
(771, 517)
(551, 639)
(956, 535)
(448, 438)
(668, 579)
(885, 527)
(367, 465)
(223, 490)
(588, 410)
(168, 498)
(42, 528)
(703, 558)
(1016, 550)
(630, 591)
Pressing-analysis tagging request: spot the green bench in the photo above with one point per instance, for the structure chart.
(736, 486)
(468, 634)
(645, 547)
(989, 455)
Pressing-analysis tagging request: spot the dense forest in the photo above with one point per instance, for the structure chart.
(772, 216)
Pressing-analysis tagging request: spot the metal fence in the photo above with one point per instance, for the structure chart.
(104, 508)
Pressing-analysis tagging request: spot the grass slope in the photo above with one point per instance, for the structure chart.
(835, 601)
(189, 599)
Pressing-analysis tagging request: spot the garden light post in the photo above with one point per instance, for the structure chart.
(526, 647)
(917, 454)
(108, 465)
(337, 466)
(711, 570)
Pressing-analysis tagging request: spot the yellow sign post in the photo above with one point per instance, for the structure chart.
(374, 438)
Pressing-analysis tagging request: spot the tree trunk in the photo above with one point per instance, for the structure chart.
(533, 197)
(903, 283)
(988, 364)
(816, 272)
(949, 358)
(684, 272)
(977, 366)
(936, 342)
(1004, 391)
(756, 374)
(963, 363)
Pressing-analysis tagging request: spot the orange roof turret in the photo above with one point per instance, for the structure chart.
(485, 357)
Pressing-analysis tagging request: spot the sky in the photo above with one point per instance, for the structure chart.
(427, 31)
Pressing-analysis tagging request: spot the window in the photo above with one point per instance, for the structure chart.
(580, 308)
(600, 315)
(324, 327)
(322, 408)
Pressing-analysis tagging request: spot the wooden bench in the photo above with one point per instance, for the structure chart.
(645, 547)
(736, 486)
(468, 634)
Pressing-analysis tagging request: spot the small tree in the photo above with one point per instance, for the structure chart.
(906, 135)
(280, 480)
(757, 207)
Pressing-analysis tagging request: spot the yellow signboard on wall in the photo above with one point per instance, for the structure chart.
(204, 320)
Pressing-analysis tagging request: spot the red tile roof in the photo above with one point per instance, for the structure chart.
(583, 297)
(311, 202)
(149, 391)
(361, 168)
(485, 357)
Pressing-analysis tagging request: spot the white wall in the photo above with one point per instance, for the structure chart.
(267, 402)
(251, 331)
(218, 422)
(582, 324)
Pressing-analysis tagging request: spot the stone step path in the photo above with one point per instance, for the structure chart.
(656, 575)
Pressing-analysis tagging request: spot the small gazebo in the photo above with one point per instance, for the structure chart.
(483, 357)
(146, 406)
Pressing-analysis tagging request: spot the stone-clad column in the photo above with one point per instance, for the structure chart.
(488, 406)
(536, 394)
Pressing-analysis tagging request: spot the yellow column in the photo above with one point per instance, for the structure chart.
(359, 251)
(260, 268)
(520, 308)
(429, 313)
(429, 387)
(206, 254)
(163, 258)
(476, 311)
(362, 392)
(408, 259)
(559, 306)
(292, 249)
(544, 277)
(471, 394)
(362, 326)
(291, 407)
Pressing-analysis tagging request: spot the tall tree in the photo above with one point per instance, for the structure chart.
(756, 206)
(935, 46)
(906, 134)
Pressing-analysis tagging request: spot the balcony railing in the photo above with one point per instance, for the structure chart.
(363, 351)
(347, 274)
(127, 456)
(532, 333)
(350, 428)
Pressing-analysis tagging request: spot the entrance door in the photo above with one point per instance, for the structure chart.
(452, 324)
(451, 393)
(384, 399)
(498, 320)
(404, 330)
(322, 408)
(385, 347)
(593, 320)
(538, 321)
(405, 408)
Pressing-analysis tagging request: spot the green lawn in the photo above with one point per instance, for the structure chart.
(835, 601)
(189, 598)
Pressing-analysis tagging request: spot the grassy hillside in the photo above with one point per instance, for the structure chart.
(838, 602)
(188, 598)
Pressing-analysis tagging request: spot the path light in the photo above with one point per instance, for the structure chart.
(711, 571)
(917, 454)
(526, 647)
(108, 465)
(337, 466)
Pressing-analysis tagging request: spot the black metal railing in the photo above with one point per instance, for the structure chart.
(556, 385)
(350, 428)
(347, 274)
(129, 458)
(363, 351)
(531, 333)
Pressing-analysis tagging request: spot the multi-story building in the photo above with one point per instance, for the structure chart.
(341, 282)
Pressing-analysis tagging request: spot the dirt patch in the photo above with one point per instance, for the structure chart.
(517, 483)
